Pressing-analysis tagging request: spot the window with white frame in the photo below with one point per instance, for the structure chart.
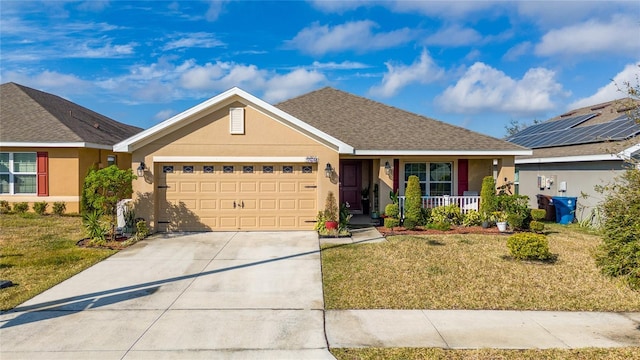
(436, 179)
(18, 173)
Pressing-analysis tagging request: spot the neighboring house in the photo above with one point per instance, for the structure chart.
(48, 144)
(576, 151)
(237, 162)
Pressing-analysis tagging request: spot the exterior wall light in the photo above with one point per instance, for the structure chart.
(328, 170)
(141, 168)
(387, 168)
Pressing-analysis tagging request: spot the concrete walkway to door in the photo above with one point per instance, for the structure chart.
(232, 295)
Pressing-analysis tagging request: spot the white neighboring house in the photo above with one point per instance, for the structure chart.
(576, 151)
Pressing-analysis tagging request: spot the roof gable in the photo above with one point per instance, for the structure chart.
(26, 112)
(375, 128)
(235, 94)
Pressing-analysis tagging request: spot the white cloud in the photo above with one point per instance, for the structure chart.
(613, 90)
(593, 37)
(424, 70)
(214, 10)
(443, 9)
(358, 35)
(281, 87)
(50, 81)
(222, 76)
(454, 36)
(517, 51)
(164, 114)
(193, 40)
(345, 65)
(485, 89)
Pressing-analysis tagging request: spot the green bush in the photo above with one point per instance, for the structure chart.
(619, 253)
(538, 214)
(59, 207)
(390, 223)
(5, 207)
(95, 226)
(439, 226)
(472, 218)
(425, 214)
(413, 203)
(488, 201)
(392, 210)
(528, 246)
(40, 207)
(142, 230)
(517, 209)
(21, 207)
(536, 226)
(449, 214)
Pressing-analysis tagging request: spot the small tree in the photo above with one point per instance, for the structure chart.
(488, 198)
(104, 188)
(413, 203)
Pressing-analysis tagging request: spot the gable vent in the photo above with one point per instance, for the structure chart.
(236, 120)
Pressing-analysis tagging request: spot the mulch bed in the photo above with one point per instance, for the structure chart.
(454, 230)
(113, 245)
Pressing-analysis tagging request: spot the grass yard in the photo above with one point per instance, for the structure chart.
(37, 252)
(470, 272)
(487, 354)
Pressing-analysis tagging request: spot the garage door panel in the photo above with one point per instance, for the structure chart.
(275, 200)
(208, 187)
(248, 187)
(268, 186)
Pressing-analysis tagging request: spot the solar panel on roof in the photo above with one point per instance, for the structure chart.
(551, 126)
(559, 135)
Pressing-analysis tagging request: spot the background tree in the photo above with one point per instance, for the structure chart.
(104, 188)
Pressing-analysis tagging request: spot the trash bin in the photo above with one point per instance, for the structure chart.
(565, 208)
(545, 203)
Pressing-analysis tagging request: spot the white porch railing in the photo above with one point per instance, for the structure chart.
(465, 203)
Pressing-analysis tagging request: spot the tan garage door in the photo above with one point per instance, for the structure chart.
(197, 197)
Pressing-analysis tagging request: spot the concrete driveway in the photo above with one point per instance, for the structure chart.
(232, 295)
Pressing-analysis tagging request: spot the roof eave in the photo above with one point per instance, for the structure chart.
(444, 152)
(56, 145)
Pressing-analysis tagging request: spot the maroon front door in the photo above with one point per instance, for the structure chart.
(350, 183)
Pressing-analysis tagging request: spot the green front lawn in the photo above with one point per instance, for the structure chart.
(470, 272)
(38, 252)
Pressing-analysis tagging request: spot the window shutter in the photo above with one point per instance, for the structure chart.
(236, 120)
(43, 173)
(463, 176)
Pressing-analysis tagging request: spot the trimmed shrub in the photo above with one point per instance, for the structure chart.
(517, 209)
(488, 201)
(538, 214)
(536, 226)
(142, 230)
(515, 221)
(472, 218)
(413, 203)
(21, 207)
(528, 246)
(392, 210)
(449, 214)
(5, 207)
(619, 253)
(390, 223)
(59, 207)
(425, 214)
(439, 226)
(40, 207)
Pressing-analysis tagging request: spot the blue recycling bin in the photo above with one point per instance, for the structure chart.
(565, 208)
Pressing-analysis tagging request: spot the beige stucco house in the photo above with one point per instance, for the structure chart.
(48, 144)
(236, 162)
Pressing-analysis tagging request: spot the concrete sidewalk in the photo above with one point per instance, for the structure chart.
(470, 329)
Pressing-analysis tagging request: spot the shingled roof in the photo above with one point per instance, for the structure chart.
(369, 125)
(32, 116)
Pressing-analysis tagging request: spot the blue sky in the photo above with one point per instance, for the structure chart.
(475, 64)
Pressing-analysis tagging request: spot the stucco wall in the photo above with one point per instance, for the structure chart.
(67, 169)
(209, 136)
(580, 178)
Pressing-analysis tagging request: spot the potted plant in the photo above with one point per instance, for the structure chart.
(501, 220)
(331, 212)
(486, 220)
